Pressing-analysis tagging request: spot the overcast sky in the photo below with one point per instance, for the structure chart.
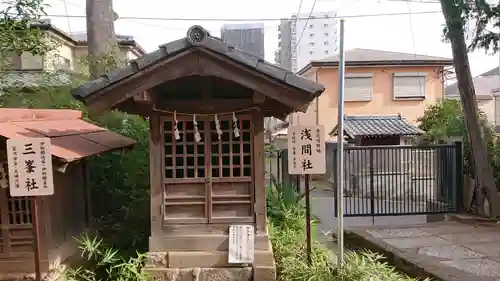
(393, 33)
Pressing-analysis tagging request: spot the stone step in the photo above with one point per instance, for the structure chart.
(197, 242)
(201, 274)
(187, 259)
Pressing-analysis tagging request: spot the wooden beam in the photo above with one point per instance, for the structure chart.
(156, 171)
(205, 107)
(259, 98)
(132, 107)
(259, 173)
(142, 97)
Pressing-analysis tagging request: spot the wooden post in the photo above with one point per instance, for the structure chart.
(480, 162)
(36, 230)
(308, 217)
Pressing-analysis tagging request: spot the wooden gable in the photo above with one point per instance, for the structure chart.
(276, 90)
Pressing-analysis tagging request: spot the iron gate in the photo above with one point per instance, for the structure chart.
(401, 180)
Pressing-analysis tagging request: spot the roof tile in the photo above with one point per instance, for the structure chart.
(247, 59)
(174, 46)
(358, 55)
(218, 46)
(211, 43)
(306, 84)
(369, 126)
(271, 70)
(119, 73)
(144, 61)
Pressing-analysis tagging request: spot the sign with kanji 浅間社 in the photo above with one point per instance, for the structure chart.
(306, 150)
(30, 167)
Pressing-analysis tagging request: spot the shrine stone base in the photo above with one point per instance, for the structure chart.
(200, 252)
(208, 266)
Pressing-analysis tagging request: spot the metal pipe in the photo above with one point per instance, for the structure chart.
(340, 146)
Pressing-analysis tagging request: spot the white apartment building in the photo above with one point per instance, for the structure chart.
(316, 37)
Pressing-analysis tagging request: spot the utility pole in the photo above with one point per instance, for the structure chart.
(101, 37)
(483, 174)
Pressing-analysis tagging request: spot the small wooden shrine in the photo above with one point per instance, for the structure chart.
(206, 103)
(65, 214)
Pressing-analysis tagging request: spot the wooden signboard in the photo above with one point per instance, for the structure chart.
(30, 167)
(306, 150)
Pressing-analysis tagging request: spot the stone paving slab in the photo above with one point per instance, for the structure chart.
(448, 251)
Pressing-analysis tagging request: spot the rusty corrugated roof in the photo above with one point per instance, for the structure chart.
(71, 137)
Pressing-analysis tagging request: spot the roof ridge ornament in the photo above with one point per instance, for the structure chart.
(197, 35)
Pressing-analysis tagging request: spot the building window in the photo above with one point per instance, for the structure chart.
(311, 26)
(31, 62)
(60, 61)
(311, 43)
(325, 25)
(358, 87)
(311, 35)
(326, 34)
(409, 85)
(326, 43)
(326, 52)
(311, 52)
(407, 141)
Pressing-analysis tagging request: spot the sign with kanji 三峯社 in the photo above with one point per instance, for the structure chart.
(306, 150)
(30, 167)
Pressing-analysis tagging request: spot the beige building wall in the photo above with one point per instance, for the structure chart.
(66, 55)
(488, 107)
(324, 110)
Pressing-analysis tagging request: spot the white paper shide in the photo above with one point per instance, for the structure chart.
(241, 243)
(306, 150)
(30, 167)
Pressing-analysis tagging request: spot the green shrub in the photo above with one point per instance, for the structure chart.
(289, 246)
(446, 119)
(103, 263)
(370, 266)
(120, 194)
(283, 203)
(286, 213)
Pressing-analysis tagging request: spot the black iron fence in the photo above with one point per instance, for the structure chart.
(394, 180)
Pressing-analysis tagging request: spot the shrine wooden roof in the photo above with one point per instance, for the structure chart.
(198, 39)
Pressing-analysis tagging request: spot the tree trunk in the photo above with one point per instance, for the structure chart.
(485, 188)
(101, 37)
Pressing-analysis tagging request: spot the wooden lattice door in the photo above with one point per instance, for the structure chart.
(16, 231)
(209, 181)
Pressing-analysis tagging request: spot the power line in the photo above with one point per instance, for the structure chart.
(249, 19)
(416, 1)
(303, 29)
(300, 7)
(412, 32)
(66, 12)
(142, 23)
